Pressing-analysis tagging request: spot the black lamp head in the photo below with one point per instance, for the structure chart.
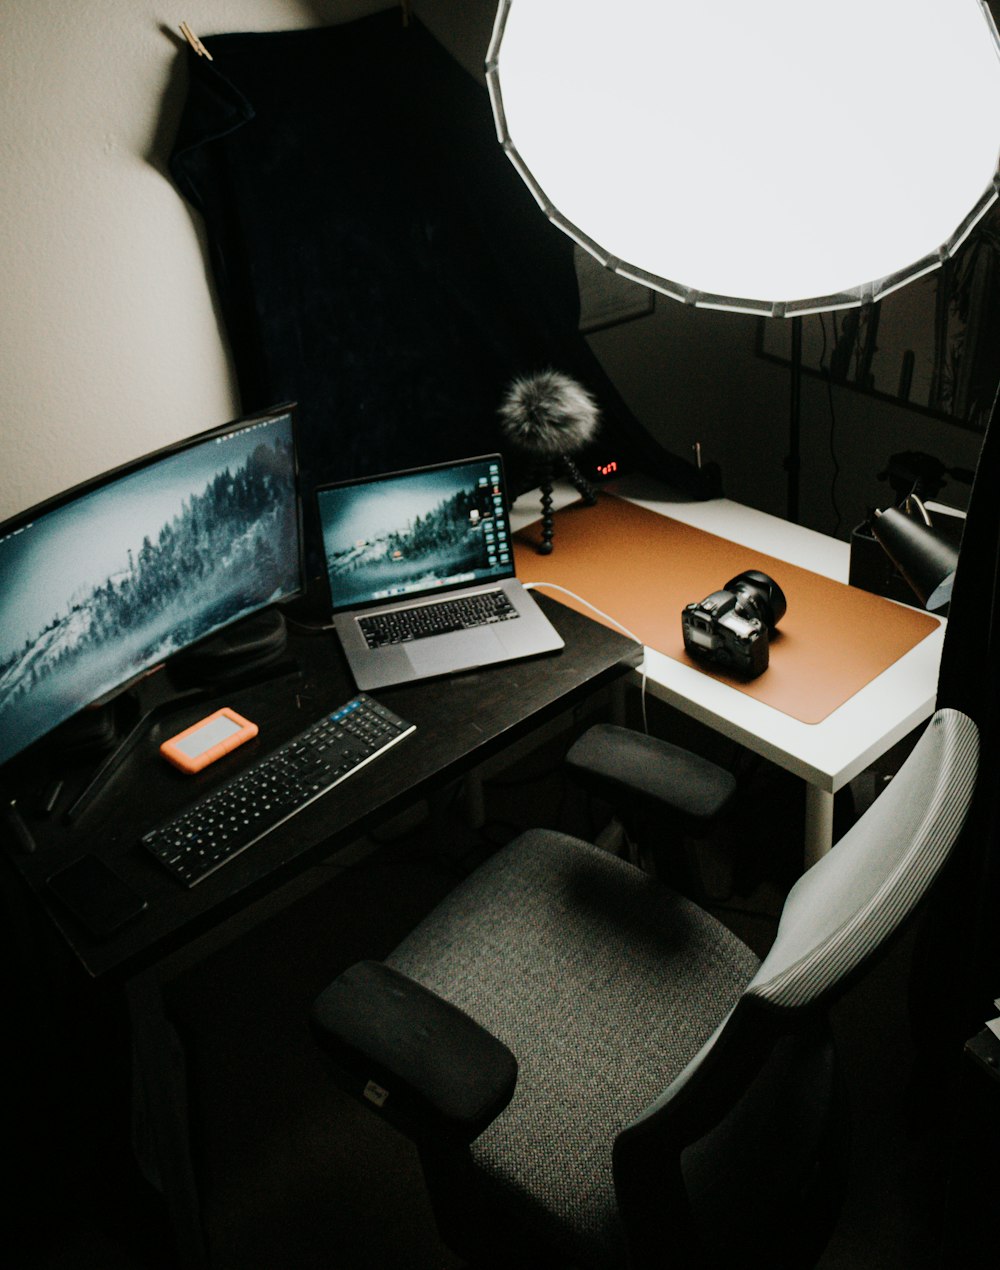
(921, 555)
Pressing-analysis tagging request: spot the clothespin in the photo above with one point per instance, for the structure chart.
(405, 6)
(195, 43)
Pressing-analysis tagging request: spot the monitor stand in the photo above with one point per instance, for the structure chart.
(250, 651)
(235, 654)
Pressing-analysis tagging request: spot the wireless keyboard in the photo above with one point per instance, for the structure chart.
(241, 812)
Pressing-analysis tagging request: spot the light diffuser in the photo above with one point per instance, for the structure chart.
(778, 157)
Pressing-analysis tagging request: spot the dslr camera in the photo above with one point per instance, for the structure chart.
(732, 627)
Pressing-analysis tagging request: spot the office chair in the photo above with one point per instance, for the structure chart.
(597, 1073)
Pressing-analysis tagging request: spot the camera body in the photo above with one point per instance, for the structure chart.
(732, 628)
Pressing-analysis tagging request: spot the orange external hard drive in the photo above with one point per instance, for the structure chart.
(208, 739)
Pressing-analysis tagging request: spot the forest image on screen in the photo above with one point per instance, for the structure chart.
(110, 584)
(413, 533)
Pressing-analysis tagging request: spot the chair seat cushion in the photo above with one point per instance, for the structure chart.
(604, 984)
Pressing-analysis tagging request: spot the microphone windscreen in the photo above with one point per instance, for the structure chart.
(548, 413)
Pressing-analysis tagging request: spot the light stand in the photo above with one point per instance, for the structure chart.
(793, 463)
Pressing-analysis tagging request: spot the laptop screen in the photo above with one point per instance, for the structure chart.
(411, 533)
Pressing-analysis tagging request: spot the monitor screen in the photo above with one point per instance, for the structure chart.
(110, 579)
(409, 533)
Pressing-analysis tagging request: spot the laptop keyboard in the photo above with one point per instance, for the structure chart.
(423, 620)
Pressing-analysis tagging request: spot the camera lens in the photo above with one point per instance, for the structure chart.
(760, 595)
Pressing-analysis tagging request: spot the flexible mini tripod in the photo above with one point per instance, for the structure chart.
(544, 474)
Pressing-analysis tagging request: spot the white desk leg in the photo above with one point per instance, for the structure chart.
(819, 824)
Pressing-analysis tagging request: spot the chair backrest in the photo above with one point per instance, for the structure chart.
(730, 1144)
(853, 899)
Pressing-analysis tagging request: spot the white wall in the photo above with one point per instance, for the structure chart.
(110, 343)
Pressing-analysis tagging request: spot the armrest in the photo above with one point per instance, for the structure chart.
(618, 761)
(426, 1066)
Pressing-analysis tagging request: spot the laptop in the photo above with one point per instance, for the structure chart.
(421, 573)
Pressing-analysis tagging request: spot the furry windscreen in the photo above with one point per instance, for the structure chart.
(548, 413)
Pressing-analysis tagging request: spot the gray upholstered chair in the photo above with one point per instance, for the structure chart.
(622, 1083)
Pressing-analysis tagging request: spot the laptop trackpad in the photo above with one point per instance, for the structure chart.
(438, 655)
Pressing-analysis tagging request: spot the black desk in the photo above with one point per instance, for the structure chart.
(460, 722)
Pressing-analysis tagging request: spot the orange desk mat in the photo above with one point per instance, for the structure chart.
(641, 568)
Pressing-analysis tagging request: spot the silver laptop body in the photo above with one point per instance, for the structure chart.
(398, 546)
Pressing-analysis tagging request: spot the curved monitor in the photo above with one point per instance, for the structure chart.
(108, 580)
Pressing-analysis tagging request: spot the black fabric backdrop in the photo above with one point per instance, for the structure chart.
(377, 257)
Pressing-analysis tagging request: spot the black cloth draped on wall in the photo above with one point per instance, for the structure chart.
(377, 258)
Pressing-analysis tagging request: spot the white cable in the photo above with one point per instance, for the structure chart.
(554, 586)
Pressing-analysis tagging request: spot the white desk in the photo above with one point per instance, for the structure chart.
(825, 755)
